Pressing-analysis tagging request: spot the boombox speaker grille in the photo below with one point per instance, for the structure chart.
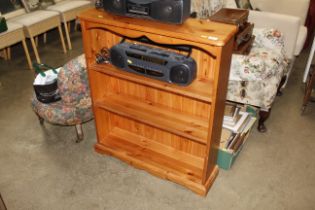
(180, 74)
(115, 6)
(116, 58)
(167, 10)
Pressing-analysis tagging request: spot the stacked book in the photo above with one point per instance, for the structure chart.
(236, 125)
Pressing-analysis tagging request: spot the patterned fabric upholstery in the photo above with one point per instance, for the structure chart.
(254, 78)
(75, 104)
(204, 9)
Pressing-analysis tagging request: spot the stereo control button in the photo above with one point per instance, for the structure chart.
(168, 9)
(117, 4)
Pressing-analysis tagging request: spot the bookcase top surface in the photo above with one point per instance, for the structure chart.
(195, 30)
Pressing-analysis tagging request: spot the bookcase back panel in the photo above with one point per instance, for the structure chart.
(175, 142)
(105, 39)
(107, 85)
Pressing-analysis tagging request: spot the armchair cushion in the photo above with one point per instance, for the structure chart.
(266, 58)
(12, 27)
(32, 18)
(297, 8)
(288, 25)
(11, 36)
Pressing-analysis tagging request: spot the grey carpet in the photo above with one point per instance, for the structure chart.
(42, 167)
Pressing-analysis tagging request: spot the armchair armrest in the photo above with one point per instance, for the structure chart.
(296, 8)
(288, 25)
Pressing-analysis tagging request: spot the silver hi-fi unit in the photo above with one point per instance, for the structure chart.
(170, 11)
(154, 63)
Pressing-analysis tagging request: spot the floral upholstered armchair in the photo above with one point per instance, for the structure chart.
(74, 108)
(256, 78)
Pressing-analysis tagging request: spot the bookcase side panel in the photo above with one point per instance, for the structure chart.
(221, 75)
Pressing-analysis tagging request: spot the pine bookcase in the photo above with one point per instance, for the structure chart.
(170, 131)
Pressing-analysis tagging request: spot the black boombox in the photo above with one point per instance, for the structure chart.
(154, 63)
(170, 11)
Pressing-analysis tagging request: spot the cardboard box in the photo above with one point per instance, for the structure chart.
(227, 157)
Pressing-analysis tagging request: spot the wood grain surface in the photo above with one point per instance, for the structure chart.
(168, 130)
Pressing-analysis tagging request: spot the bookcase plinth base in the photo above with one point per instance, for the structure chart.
(199, 188)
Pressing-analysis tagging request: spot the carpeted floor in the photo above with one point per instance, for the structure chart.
(43, 168)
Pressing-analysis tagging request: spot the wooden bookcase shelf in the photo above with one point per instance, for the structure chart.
(155, 115)
(168, 130)
(122, 141)
(200, 89)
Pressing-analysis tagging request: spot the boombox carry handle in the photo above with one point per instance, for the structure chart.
(144, 39)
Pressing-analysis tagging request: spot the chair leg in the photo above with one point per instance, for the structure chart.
(4, 54)
(45, 37)
(67, 35)
(263, 116)
(283, 80)
(9, 53)
(36, 41)
(41, 120)
(308, 90)
(28, 58)
(62, 39)
(69, 26)
(75, 26)
(78, 128)
(35, 49)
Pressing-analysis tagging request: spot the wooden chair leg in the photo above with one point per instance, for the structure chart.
(67, 36)
(308, 90)
(2, 204)
(4, 54)
(36, 41)
(263, 116)
(35, 49)
(45, 38)
(62, 39)
(283, 80)
(75, 26)
(28, 58)
(9, 52)
(69, 26)
(79, 131)
(40, 119)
